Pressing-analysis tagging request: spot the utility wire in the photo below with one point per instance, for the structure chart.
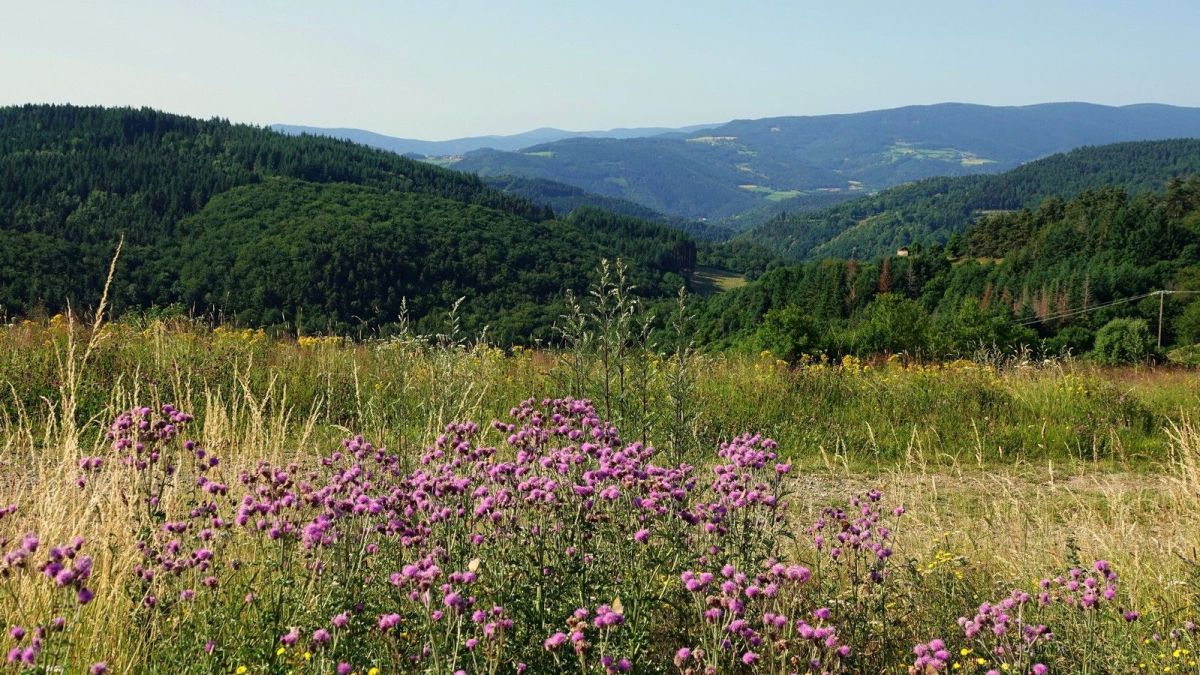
(1084, 310)
(1093, 308)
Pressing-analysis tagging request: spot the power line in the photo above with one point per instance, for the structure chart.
(1093, 308)
(1084, 310)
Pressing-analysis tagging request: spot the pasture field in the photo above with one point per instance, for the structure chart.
(707, 280)
(772, 194)
(176, 498)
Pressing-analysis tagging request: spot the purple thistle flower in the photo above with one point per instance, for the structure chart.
(554, 641)
(288, 639)
(388, 621)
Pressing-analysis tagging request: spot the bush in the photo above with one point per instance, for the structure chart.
(1072, 340)
(891, 324)
(790, 332)
(973, 327)
(1123, 341)
(1187, 325)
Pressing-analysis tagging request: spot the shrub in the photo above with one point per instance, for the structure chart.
(789, 333)
(1123, 341)
(891, 324)
(1187, 325)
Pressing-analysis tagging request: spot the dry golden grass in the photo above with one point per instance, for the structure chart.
(1009, 522)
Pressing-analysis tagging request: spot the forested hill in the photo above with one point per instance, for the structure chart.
(159, 166)
(933, 210)
(1047, 277)
(245, 221)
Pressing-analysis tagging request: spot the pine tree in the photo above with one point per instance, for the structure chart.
(885, 276)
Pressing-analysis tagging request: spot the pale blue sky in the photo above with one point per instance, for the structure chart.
(445, 69)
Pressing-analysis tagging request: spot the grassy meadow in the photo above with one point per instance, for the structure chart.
(970, 516)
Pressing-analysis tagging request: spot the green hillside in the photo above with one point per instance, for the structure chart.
(1047, 277)
(932, 210)
(310, 233)
(286, 250)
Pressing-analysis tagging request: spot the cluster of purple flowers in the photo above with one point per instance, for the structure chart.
(140, 433)
(437, 560)
(856, 536)
(67, 568)
(1004, 618)
(752, 613)
(25, 653)
(18, 558)
(600, 625)
(1081, 589)
(932, 657)
(745, 482)
(565, 484)
(1006, 630)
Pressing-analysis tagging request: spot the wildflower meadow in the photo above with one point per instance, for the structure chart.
(177, 498)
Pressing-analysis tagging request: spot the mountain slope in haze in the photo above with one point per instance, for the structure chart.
(565, 199)
(303, 232)
(932, 210)
(679, 177)
(722, 171)
(459, 146)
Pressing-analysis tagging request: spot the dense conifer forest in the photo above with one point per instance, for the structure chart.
(312, 233)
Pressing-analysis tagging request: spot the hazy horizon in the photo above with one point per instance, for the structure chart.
(713, 123)
(437, 72)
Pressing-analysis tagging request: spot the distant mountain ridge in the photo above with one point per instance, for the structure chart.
(724, 171)
(460, 146)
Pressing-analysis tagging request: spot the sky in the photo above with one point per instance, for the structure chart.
(440, 69)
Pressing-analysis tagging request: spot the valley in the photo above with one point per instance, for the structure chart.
(823, 394)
